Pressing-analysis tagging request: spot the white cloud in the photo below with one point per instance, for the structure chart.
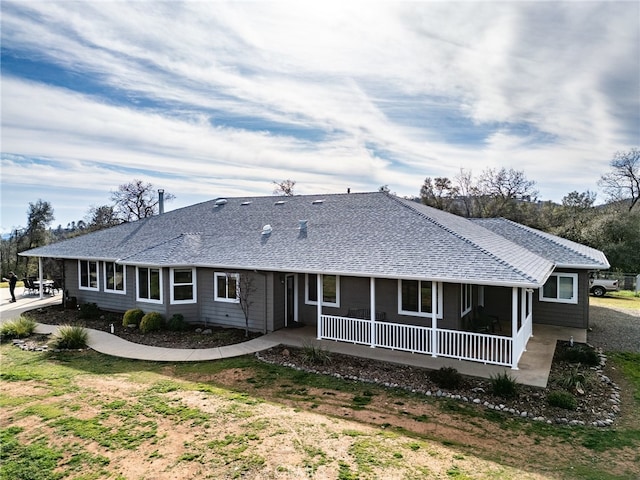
(230, 96)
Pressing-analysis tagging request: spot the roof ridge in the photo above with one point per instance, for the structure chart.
(463, 238)
(548, 236)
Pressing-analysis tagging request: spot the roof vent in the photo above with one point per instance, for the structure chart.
(245, 203)
(303, 224)
(316, 202)
(266, 230)
(280, 202)
(221, 201)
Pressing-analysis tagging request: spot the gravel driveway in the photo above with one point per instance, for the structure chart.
(615, 330)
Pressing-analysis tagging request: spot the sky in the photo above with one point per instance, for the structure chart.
(221, 99)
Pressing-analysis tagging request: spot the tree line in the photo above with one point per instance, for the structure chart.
(131, 201)
(613, 227)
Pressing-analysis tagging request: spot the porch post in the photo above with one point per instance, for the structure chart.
(514, 328)
(434, 319)
(40, 277)
(372, 308)
(481, 295)
(319, 307)
(523, 312)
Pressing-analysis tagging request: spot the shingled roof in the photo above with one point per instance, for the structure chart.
(366, 234)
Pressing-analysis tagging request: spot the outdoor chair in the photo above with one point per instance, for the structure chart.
(28, 287)
(484, 322)
(56, 286)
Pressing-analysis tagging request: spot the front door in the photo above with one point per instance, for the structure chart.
(289, 300)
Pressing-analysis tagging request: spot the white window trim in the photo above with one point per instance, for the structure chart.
(80, 286)
(149, 300)
(315, 302)
(124, 279)
(215, 287)
(194, 285)
(437, 286)
(574, 296)
(464, 309)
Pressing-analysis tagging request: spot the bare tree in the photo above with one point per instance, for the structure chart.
(246, 291)
(622, 183)
(136, 200)
(500, 189)
(467, 192)
(284, 187)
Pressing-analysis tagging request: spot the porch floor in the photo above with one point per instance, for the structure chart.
(534, 365)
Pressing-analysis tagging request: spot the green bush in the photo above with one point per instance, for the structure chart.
(20, 327)
(562, 399)
(89, 310)
(504, 385)
(580, 353)
(70, 337)
(446, 377)
(132, 317)
(176, 323)
(316, 354)
(151, 322)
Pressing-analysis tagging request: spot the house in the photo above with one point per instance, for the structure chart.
(390, 273)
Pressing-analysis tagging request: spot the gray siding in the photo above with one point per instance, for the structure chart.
(565, 314)
(227, 314)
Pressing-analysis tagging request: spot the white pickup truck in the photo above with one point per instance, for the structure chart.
(599, 286)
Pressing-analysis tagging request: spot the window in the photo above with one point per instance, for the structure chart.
(415, 298)
(88, 275)
(226, 287)
(330, 290)
(466, 298)
(114, 278)
(149, 285)
(560, 288)
(183, 285)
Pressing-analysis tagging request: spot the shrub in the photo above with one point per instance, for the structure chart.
(580, 353)
(151, 322)
(316, 354)
(446, 377)
(70, 337)
(89, 310)
(562, 399)
(575, 379)
(504, 385)
(176, 323)
(20, 327)
(132, 317)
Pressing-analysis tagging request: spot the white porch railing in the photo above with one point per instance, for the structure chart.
(462, 345)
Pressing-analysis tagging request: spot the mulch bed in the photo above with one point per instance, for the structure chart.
(190, 338)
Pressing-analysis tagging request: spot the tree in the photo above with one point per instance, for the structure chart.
(39, 216)
(101, 217)
(284, 187)
(500, 190)
(438, 192)
(574, 214)
(246, 290)
(623, 182)
(136, 200)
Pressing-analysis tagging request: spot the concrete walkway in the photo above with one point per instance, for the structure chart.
(533, 370)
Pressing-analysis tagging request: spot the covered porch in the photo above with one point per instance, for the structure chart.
(504, 348)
